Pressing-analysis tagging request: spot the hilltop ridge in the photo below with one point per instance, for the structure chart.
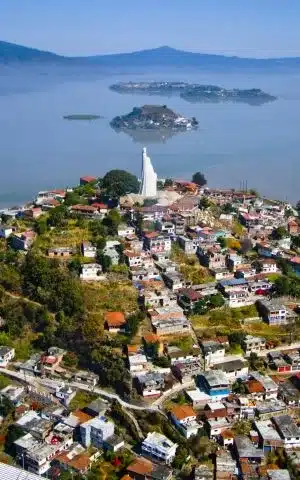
(164, 56)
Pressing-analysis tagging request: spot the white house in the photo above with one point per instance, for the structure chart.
(65, 394)
(5, 231)
(91, 271)
(96, 431)
(288, 430)
(238, 298)
(268, 265)
(88, 250)
(124, 230)
(185, 419)
(137, 363)
(213, 352)
(159, 447)
(6, 355)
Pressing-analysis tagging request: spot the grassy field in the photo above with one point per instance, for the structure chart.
(228, 320)
(81, 400)
(189, 266)
(108, 296)
(69, 236)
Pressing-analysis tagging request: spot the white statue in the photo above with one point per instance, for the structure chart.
(149, 177)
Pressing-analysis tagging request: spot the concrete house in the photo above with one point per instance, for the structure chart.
(88, 250)
(188, 245)
(96, 431)
(91, 272)
(185, 419)
(6, 355)
(5, 231)
(115, 322)
(253, 344)
(273, 312)
(159, 447)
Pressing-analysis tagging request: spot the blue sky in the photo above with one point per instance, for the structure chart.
(261, 28)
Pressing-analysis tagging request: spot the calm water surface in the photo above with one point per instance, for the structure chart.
(235, 142)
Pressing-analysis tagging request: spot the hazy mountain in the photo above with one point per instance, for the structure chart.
(10, 53)
(162, 56)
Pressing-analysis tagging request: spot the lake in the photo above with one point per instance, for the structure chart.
(235, 142)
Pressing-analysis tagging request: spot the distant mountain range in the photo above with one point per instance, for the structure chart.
(162, 56)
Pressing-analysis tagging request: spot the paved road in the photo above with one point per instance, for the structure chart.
(263, 353)
(51, 384)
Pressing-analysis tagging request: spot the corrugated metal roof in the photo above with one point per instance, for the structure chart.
(13, 473)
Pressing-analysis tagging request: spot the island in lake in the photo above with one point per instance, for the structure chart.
(82, 116)
(195, 92)
(153, 117)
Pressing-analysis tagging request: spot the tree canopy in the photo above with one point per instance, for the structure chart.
(199, 178)
(119, 182)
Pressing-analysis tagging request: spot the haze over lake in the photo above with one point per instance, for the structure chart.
(235, 141)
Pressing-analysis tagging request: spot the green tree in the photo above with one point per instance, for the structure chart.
(148, 202)
(163, 362)
(10, 278)
(159, 185)
(255, 362)
(112, 221)
(70, 360)
(14, 432)
(199, 179)
(74, 266)
(73, 198)
(201, 446)
(242, 427)
(296, 241)
(204, 203)
(97, 228)
(119, 182)
(280, 233)
(45, 282)
(133, 322)
(239, 387)
(168, 182)
(216, 301)
(110, 368)
(200, 307)
(104, 261)
(100, 243)
(58, 216)
(41, 225)
(181, 456)
(226, 208)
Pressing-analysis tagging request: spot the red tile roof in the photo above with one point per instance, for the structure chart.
(115, 319)
(253, 386)
(183, 411)
(84, 208)
(140, 466)
(88, 178)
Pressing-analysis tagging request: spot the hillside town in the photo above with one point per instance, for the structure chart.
(150, 330)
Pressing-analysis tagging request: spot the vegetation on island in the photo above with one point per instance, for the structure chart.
(153, 117)
(195, 92)
(82, 116)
